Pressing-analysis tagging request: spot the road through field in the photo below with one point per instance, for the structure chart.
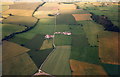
(58, 62)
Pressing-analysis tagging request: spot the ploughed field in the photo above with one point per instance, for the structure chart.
(87, 51)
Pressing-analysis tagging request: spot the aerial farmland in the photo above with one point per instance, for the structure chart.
(60, 38)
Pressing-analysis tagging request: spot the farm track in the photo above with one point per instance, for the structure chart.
(26, 29)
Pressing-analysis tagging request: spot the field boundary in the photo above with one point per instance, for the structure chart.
(13, 34)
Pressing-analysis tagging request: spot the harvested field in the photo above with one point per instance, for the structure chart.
(7, 3)
(25, 5)
(47, 44)
(20, 20)
(83, 68)
(39, 56)
(49, 7)
(67, 6)
(92, 30)
(108, 47)
(19, 65)
(8, 29)
(76, 11)
(4, 8)
(58, 61)
(11, 50)
(19, 12)
(44, 14)
(36, 42)
(5, 16)
(82, 17)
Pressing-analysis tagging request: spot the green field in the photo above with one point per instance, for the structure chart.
(38, 56)
(41, 28)
(20, 20)
(111, 12)
(36, 42)
(92, 30)
(58, 62)
(8, 29)
(18, 64)
(62, 40)
(65, 19)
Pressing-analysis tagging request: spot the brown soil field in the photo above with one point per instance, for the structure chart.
(108, 47)
(82, 17)
(11, 50)
(83, 68)
(20, 20)
(25, 5)
(18, 12)
(19, 65)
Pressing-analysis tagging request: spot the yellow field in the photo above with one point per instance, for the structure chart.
(49, 7)
(20, 20)
(6, 3)
(82, 17)
(19, 12)
(44, 14)
(47, 44)
(83, 68)
(67, 6)
(19, 65)
(4, 7)
(11, 50)
(25, 5)
(108, 47)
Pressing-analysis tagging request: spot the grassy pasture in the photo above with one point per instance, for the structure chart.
(92, 29)
(62, 28)
(20, 20)
(44, 26)
(81, 49)
(82, 17)
(36, 42)
(25, 5)
(108, 49)
(8, 29)
(19, 40)
(18, 12)
(84, 68)
(62, 40)
(39, 56)
(12, 49)
(19, 65)
(58, 62)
